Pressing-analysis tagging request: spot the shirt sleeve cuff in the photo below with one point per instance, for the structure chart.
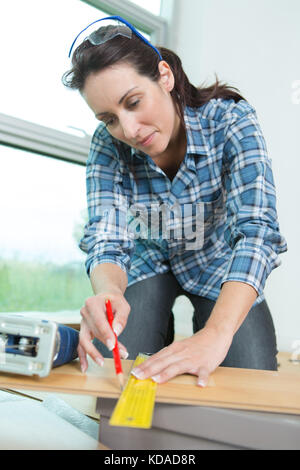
(249, 266)
(91, 264)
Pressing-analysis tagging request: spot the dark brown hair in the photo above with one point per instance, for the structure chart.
(88, 58)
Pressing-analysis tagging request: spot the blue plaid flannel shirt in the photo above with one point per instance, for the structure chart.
(226, 173)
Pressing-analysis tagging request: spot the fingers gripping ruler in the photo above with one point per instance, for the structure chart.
(136, 404)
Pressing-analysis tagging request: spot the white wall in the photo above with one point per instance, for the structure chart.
(255, 46)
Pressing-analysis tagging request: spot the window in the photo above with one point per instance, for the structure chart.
(152, 6)
(42, 206)
(34, 56)
(42, 199)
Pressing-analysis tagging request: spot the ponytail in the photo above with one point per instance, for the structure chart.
(186, 94)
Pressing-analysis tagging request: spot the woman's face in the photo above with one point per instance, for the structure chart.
(135, 109)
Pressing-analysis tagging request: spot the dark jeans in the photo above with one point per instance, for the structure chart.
(150, 325)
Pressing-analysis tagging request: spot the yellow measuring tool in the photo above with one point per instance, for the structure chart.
(136, 404)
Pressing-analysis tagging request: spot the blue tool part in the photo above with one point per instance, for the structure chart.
(67, 340)
(22, 345)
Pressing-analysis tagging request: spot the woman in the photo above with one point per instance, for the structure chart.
(181, 201)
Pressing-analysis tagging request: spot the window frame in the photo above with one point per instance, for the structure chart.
(142, 19)
(26, 135)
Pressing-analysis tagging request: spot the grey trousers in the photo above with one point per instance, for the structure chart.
(150, 325)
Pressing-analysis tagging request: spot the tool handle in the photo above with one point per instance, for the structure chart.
(67, 343)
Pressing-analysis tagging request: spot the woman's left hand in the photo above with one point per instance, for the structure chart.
(199, 355)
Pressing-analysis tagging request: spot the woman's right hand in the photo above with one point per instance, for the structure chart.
(94, 324)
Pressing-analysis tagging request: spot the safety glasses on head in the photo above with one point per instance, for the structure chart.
(106, 33)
